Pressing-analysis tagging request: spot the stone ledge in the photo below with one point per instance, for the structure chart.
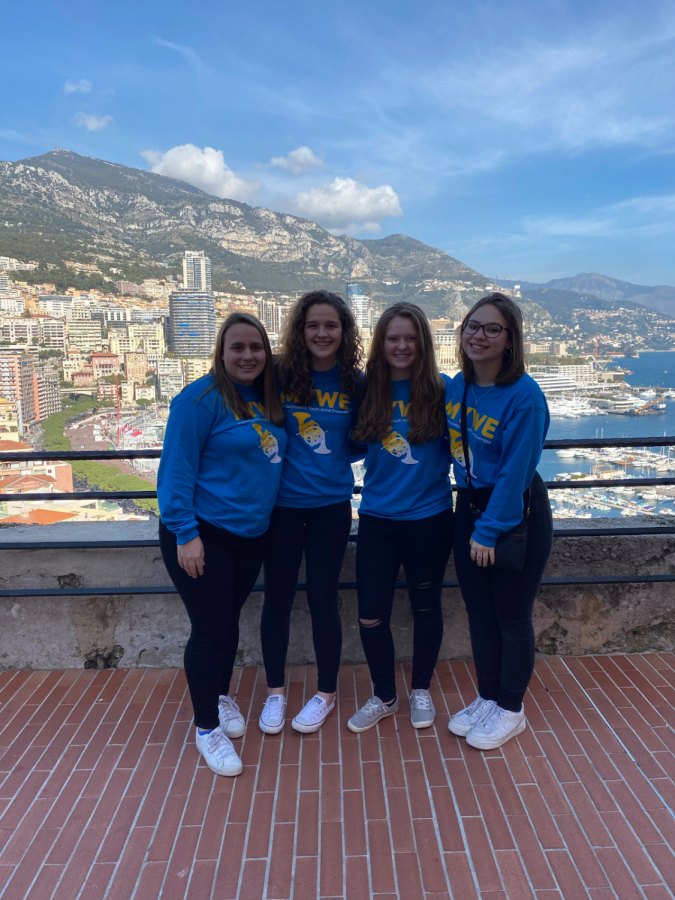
(150, 630)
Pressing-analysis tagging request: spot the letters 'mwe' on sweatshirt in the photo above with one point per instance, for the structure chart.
(506, 427)
(317, 467)
(217, 467)
(404, 481)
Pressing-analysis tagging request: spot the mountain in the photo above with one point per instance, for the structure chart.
(661, 297)
(65, 206)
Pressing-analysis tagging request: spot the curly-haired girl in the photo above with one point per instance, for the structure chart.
(319, 378)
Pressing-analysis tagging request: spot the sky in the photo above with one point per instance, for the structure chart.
(531, 140)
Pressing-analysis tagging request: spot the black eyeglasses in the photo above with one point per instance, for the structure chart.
(491, 331)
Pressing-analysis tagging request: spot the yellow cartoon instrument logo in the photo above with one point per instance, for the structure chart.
(268, 443)
(311, 432)
(397, 445)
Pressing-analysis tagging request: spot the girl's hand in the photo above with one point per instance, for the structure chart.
(481, 555)
(191, 557)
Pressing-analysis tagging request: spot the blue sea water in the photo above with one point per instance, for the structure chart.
(650, 370)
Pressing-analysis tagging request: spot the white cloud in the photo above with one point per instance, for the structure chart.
(91, 123)
(345, 204)
(77, 87)
(188, 54)
(298, 161)
(205, 169)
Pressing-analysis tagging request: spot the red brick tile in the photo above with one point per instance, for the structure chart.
(590, 821)
(417, 790)
(534, 860)
(481, 853)
(357, 878)
(493, 816)
(308, 824)
(400, 821)
(430, 857)
(242, 795)
(636, 816)
(331, 859)
(228, 867)
(355, 824)
(305, 883)
(78, 866)
(459, 873)
(433, 762)
(119, 830)
(98, 880)
(351, 765)
(513, 875)
(461, 787)
(408, 876)
(198, 797)
(374, 791)
(31, 863)
(180, 864)
(66, 800)
(408, 740)
(259, 830)
(599, 794)
(547, 832)
(309, 769)
(631, 849)
(201, 882)
(330, 740)
(268, 769)
(639, 784)
(581, 852)
(166, 831)
(72, 831)
(393, 764)
(381, 855)
(23, 800)
(446, 818)
(618, 875)
(657, 892)
(663, 859)
(143, 772)
(598, 755)
(253, 880)
(287, 794)
(566, 876)
(42, 887)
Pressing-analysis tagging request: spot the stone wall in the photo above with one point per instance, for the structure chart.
(151, 630)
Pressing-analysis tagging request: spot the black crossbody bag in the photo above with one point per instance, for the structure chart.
(511, 546)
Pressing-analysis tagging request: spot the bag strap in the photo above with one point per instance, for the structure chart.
(465, 446)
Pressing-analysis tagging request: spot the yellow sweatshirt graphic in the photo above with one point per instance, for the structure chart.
(397, 445)
(268, 443)
(311, 432)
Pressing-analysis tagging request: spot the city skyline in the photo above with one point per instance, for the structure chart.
(530, 141)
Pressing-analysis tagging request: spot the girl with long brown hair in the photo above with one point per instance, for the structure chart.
(498, 419)
(405, 516)
(218, 477)
(319, 378)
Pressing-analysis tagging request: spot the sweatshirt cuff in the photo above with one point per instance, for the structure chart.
(486, 538)
(187, 534)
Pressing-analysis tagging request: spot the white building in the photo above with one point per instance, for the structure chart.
(196, 271)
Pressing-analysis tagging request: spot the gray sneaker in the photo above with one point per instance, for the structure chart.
(422, 711)
(371, 713)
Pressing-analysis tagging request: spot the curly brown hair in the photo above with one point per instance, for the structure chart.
(295, 360)
(427, 389)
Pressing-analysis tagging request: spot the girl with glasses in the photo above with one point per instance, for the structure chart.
(218, 477)
(498, 418)
(319, 379)
(405, 517)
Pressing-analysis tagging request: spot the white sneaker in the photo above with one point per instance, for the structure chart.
(232, 723)
(313, 715)
(496, 728)
(463, 721)
(218, 752)
(273, 715)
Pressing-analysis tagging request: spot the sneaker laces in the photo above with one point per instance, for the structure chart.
(228, 707)
(476, 709)
(313, 708)
(372, 707)
(271, 704)
(493, 719)
(421, 700)
(220, 745)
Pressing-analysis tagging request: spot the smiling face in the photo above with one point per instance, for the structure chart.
(244, 354)
(481, 349)
(323, 335)
(400, 347)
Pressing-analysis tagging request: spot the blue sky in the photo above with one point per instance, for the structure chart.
(531, 140)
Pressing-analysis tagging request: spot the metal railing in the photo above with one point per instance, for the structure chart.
(65, 456)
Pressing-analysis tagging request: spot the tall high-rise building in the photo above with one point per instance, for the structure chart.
(354, 290)
(48, 392)
(196, 271)
(18, 383)
(192, 323)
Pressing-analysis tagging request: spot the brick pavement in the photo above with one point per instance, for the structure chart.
(102, 794)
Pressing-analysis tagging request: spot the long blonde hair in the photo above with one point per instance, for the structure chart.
(427, 391)
(264, 383)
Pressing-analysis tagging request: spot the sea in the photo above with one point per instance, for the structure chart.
(649, 370)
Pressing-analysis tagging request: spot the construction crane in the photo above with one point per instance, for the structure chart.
(641, 409)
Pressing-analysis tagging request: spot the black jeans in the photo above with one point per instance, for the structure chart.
(499, 603)
(322, 533)
(422, 547)
(213, 602)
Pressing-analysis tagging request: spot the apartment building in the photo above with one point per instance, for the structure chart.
(48, 388)
(135, 367)
(104, 364)
(170, 380)
(192, 323)
(84, 334)
(20, 330)
(53, 333)
(194, 368)
(9, 419)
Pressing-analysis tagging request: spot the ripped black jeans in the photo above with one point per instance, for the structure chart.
(422, 547)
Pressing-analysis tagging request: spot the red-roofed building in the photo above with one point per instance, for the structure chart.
(14, 447)
(103, 364)
(39, 517)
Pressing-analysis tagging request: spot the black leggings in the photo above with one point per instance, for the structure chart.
(499, 603)
(322, 532)
(422, 547)
(213, 602)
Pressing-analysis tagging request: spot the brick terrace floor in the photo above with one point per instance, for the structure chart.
(102, 794)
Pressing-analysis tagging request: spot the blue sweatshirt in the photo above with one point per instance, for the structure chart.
(402, 481)
(506, 427)
(217, 467)
(317, 466)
